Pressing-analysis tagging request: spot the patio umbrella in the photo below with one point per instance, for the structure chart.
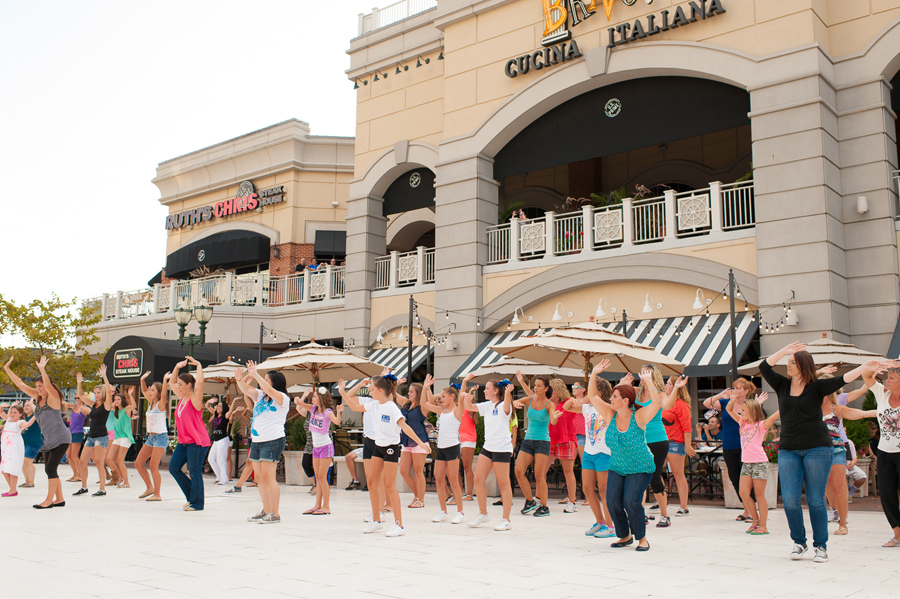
(314, 363)
(507, 368)
(219, 377)
(824, 352)
(582, 345)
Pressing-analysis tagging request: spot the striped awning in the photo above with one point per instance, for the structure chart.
(701, 343)
(395, 359)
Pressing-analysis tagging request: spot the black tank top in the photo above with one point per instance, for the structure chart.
(98, 418)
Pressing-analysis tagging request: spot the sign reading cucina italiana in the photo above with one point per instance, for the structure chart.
(247, 199)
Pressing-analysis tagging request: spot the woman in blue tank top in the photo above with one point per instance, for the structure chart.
(541, 413)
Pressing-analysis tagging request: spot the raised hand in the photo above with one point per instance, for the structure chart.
(830, 369)
(681, 381)
(339, 409)
(251, 367)
(42, 363)
(238, 373)
(78, 377)
(167, 376)
(646, 375)
(762, 397)
(471, 376)
(602, 366)
(794, 348)
(181, 364)
(429, 381)
(627, 380)
(192, 360)
(385, 371)
(518, 376)
(103, 371)
(401, 380)
(144, 376)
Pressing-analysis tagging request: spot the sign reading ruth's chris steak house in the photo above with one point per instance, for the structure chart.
(247, 199)
(128, 362)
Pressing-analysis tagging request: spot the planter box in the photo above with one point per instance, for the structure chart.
(867, 465)
(733, 500)
(293, 469)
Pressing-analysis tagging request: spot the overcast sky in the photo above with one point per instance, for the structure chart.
(93, 95)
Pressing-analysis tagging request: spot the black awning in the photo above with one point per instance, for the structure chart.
(331, 244)
(228, 249)
(157, 278)
(131, 356)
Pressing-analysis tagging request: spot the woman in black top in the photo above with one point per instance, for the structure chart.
(219, 424)
(804, 454)
(96, 407)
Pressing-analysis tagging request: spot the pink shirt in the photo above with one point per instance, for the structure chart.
(189, 424)
(752, 437)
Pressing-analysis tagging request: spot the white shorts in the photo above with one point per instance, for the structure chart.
(856, 473)
(358, 453)
(467, 444)
(122, 442)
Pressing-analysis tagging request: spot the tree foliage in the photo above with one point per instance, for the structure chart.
(58, 329)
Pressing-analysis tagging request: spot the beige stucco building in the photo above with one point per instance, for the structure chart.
(693, 138)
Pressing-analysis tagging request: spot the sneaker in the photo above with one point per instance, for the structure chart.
(571, 508)
(233, 490)
(664, 522)
(682, 511)
(270, 518)
(80, 491)
(458, 518)
(441, 517)
(372, 527)
(396, 531)
(498, 502)
(98, 493)
(504, 524)
(257, 517)
(369, 517)
(353, 486)
(593, 529)
(833, 515)
(479, 520)
(821, 555)
(530, 506)
(798, 551)
(655, 507)
(605, 532)
(542, 511)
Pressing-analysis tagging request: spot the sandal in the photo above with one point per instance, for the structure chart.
(416, 504)
(758, 532)
(894, 542)
(842, 530)
(321, 513)
(468, 498)
(743, 518)
(310, 511)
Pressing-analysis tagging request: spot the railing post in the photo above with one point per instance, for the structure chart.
(228, 296)
(671, 208)
(195, 293)
(156, 289)
(307, 284)
(420, 265)
(259, 290)
(587, 229)
(627, 223)
(514, 249)
(118, 305)
(329, 283)
(715, 205)
(550, 231)
(394, 271)
(362, 23)
(104, 300)
(173, 299)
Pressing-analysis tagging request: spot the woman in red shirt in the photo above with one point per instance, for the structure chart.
(677, 419)
(562, 441)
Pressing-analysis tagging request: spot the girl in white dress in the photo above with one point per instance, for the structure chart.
(13, 446)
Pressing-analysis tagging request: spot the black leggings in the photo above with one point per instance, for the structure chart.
(307, 464)
(52, 458)
(660, 450)
(732, 459)
(888, 485)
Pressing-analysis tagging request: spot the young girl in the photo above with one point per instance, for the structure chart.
(497, 451)
(468, 438)
(541, 413)
(76, 429)
(446, 461)
(154, 447)
(221, 441)
(322, 415)
(96, 408)
(121, 413)
(387, 423)
(753, 425)
(412, 457)
(13, 452)
(595, 459)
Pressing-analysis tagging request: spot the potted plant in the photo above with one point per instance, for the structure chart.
(771, 448)
(294, 443)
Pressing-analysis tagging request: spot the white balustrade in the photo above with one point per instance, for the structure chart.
(693, 210)
(738, 205)
(498, 243)
(382, 17)
(382, 272)
(608, 226)
(337, 282)
(568, 233)
(429, 266)
(649, 220)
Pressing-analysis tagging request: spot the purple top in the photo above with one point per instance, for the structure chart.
(76, 423)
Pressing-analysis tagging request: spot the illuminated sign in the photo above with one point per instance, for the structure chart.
(127, 363)
(247, 199)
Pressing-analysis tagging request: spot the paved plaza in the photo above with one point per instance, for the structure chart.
(118, 546)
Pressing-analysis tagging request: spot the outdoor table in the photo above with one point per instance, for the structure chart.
(706, 459)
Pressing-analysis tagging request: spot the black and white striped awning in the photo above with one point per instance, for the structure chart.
(701, 343)
(395, 359)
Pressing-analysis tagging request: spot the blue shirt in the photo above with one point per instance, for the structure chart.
(731, 432)
(32, 437)
(656, 431)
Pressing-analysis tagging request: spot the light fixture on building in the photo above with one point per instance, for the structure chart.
(600, 313)
(515, 318)
(557, 316)
(402, 337)
(399, 66)
(648, 307)
(420, 60)
(862, 204)
(377, 73)
(335, 203)
(698, 304)
(791, 319)
(380, 337)
(441, 55)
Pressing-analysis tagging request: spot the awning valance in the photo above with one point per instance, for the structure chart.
(227, 249)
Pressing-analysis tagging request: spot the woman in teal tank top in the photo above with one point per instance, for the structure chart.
(121, 414)
(631, 464)
(541, 413)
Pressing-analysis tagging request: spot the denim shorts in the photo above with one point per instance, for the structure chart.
(77, 438)
(534, 447)
(580, 440)
(96, 442)
(676, 448)
(839, 458)
(31, 451)
(598, 462)
(267, 451)
(157, 440)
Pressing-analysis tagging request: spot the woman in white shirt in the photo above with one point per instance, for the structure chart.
(887, 400)
(387, 422)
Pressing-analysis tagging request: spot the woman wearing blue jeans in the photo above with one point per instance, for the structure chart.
(805, 453)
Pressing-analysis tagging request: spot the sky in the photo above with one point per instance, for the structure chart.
(95, 94)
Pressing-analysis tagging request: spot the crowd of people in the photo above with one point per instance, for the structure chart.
(626, 437)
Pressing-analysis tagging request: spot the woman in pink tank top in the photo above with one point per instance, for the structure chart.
(193, 440)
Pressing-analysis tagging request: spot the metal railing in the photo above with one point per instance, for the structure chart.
(738, 205)
(498, 243)
(337, 282)
(649, 220)
(429, 266)
(382, 272)
(405, 269)
(382, 17)
(569, 229)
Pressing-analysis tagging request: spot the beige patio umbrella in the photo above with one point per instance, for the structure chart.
(507, 368)
(824, 352)
(314, 363)
(583, 345)
(218, 378)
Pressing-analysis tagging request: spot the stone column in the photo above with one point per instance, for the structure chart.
(466, 203)
(366, 233)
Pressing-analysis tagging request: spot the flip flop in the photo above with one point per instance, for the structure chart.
(758, 532)
(742, 518)
(892, 543)
(309, 512)
(154, 499)
(146, 494)
(321, 513)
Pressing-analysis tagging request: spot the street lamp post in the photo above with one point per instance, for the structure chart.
(183, 316)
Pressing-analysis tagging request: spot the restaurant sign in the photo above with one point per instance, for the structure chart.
(127, 363)
(246, 199)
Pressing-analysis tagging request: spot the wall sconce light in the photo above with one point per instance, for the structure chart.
(600, 313)
(698, 305)
(356, 82)
(402, 336)
(399, 66)
(862, 204)
(441, 55)
(557, 316)
(515, 318)
(380, 337)
(377, 73)
(648, 307)
(791, 319)
(420, 60)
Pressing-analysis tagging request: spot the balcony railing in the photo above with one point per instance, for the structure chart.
(405, 269)
(382, 17)
(635, 222)
(224, 290)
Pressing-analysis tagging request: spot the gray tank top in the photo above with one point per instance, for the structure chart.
(55, 431)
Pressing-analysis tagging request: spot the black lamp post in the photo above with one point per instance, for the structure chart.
(183, 316)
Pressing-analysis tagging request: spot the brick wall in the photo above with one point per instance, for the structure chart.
(585, 178)
(290, 254)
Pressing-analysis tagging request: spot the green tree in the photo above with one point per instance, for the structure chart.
(54, 328)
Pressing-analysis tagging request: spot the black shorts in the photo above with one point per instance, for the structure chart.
(447, 454)
(502, 457)
(535, 447)
(368, 448)
(391, 453)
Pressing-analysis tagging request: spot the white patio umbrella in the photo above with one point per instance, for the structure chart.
(507, 368)
(580, 346)
(219, 377)
(313, 364)
(824, 352)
